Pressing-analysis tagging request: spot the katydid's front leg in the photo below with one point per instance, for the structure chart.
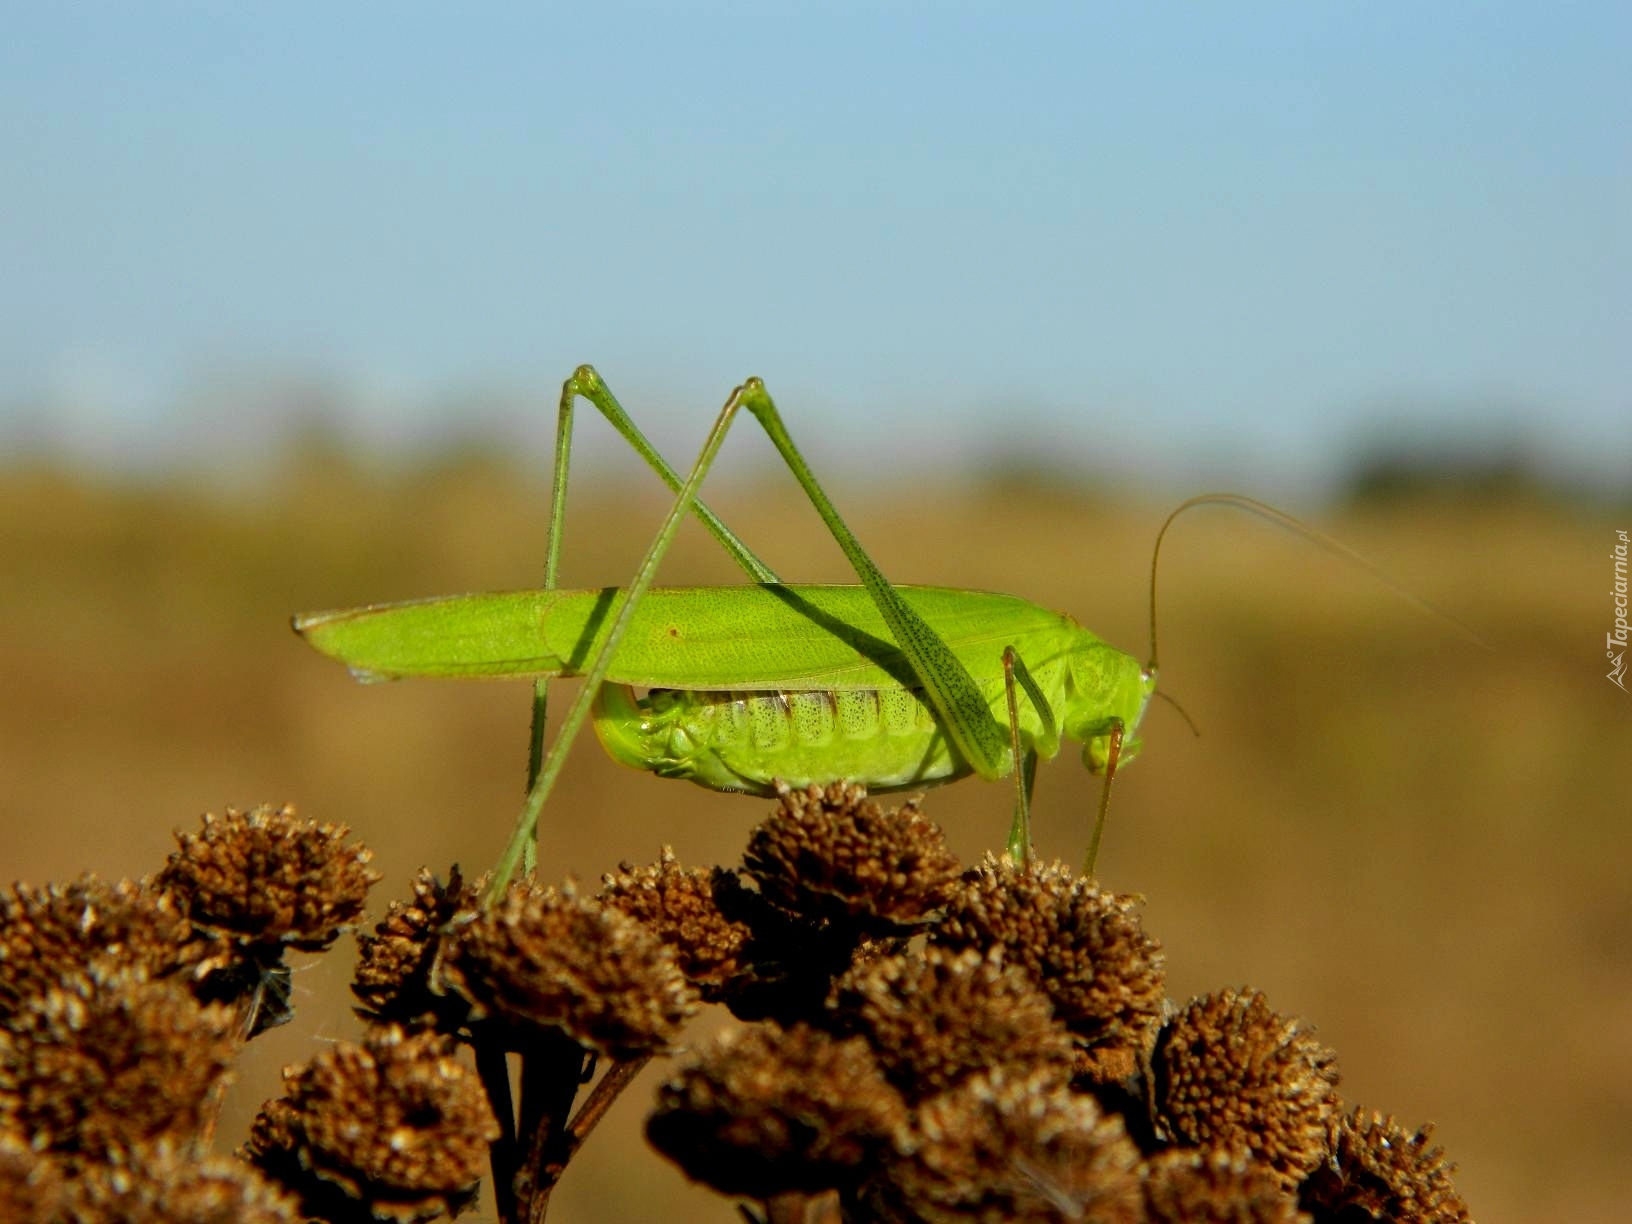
(1112, 755)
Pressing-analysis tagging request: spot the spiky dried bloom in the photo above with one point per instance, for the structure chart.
(110, 1059)
(267, 876)
(832, 853)
(1192, 1186)
(393, 980)
(1086, 948)
(1003, 1147)
(548, 958)
(31, 1184)
(397, 1125)
(695, 913)
(61, 929)
(161, 1186)
(1229, 1073)
(1379, 1170)
(764, 1111)
(935, 1019)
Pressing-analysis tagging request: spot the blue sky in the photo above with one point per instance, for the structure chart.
(1223, 241)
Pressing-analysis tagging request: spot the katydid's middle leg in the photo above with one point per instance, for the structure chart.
(1025, 770)
(1025, 773)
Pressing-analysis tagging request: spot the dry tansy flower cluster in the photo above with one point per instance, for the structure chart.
(913, 1041)
(123, 1007)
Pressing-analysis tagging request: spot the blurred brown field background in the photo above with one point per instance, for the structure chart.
(1419, 845)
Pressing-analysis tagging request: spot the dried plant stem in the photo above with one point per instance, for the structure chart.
(244, 1011)
(551, 1072)
(617, 1077)
(797, 1208)
(493, 1066)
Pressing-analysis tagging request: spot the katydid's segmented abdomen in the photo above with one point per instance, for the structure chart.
(887, 739)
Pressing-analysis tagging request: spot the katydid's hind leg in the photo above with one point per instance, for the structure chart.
(552, 565)
(527, 823)
(951, 691)
(1112, 755)
(585, 381)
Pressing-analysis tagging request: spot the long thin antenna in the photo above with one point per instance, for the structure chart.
(1282, 519)
(1164, 695)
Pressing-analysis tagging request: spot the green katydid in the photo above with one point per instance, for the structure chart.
(895, 687)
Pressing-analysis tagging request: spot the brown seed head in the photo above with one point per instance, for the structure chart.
(832, 853)
(1086, 948)
(1003, 1147)
(31, 1184)
(157, 1185)
(548, 958)
(765, 1110)
(1230, 1074)
(266, 876)
(395, 963)
(59, 930)
(1380, 1171)
(110, 1059)
(1190, 1186)
(683, 909)
(396, 1124)
(935, 1019)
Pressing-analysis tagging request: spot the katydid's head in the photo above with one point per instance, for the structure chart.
(1110, 690)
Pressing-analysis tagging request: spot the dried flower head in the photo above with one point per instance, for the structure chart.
(1229, 1073)
(695, 913)
(548, 958)
(832, 853)
(765, 1110)
(1087, 949)
(59, 930)
(1003, 1147)
(158, 1185)
(395, 964)
(1191, 1186)
(31, 1184)
(110, 1059)
(397, 1125)
(266, 876)
(935, 1019)
(1380, 1171)
(790, 962)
